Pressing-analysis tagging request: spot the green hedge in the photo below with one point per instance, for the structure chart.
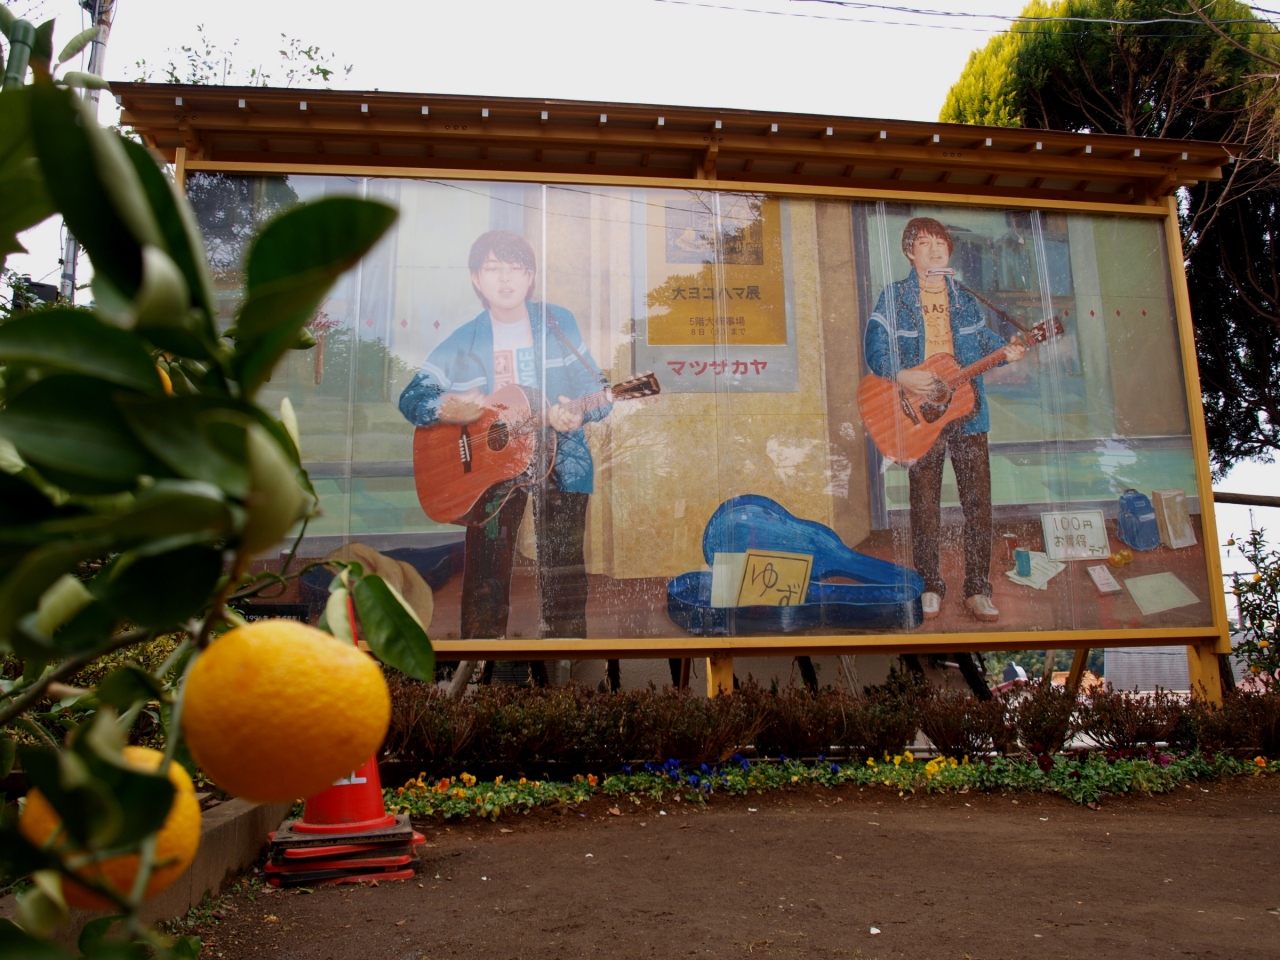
(518, 731)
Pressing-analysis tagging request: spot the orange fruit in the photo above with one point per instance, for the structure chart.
(277, 710)
(176, 841)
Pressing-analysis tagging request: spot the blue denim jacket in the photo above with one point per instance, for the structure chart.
(464, 361)
(971, 338)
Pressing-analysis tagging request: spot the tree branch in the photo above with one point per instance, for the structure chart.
(67, 668)
(1199, 12)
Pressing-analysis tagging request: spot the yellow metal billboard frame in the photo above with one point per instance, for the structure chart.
(1204, 644)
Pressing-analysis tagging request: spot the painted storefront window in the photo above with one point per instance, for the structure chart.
(627, 412)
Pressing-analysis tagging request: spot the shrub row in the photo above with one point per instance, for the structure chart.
(515, 730)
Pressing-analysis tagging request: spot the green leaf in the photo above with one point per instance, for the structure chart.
(124, 951)
(198, 437)
(21, 502)
(144, 798)
(393, 633)
(40, 914)
(327, 236)
(186, 948)
(336, 618)
(88, 811)
(91, 933)
(8, 750)
(127, 685)
(174, 513)
(278, 313)
(165, 589)
(163, 302)
(82, 632)
(42, 49)
(93, 184)
(24, 202)
(16, 944)
(178, 226)
(65, 598)
(291, 267)
(78, 43)
(68, 427)
(15, 127)
(21, 590)
(18, 858)
(74, 341)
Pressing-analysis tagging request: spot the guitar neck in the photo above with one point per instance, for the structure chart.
(590, 401)
(977, 368)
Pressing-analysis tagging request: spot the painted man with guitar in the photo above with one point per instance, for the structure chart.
(538, 349)
(921, 404)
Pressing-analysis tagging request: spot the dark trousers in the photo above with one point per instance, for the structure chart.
(972, 466)
(560, 521)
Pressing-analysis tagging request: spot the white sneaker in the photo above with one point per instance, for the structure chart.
(982, 608)
(932, 603)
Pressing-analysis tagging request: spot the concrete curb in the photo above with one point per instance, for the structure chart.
(232, 835)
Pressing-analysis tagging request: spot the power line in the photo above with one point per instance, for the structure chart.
(859, 5)
(1270, 30)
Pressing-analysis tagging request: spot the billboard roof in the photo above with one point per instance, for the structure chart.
(540, 138)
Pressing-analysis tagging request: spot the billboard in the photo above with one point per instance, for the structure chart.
(562, 410)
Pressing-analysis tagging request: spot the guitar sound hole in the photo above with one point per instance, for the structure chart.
(498, 436)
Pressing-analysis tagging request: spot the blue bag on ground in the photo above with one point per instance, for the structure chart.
(884, 596)
(1137, 523)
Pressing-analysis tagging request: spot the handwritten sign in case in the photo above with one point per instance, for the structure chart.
(772, 578)
(760, 578)
(1075, 535)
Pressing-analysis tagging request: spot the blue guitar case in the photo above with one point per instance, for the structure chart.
(885, 596)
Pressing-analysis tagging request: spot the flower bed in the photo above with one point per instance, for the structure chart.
(1082, 778)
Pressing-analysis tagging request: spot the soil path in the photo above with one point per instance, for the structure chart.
(809, 874)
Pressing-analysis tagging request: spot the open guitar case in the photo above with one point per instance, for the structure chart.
(886, 596)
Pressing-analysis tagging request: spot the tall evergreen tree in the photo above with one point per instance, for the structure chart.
(1156, 68)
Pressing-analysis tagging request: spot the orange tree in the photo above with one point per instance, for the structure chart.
(1258, 601)
(138, 477)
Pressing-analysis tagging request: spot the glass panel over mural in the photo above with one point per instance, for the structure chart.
(601, 412)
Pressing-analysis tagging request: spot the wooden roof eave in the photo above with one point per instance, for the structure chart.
(762, 147)
(212, 122)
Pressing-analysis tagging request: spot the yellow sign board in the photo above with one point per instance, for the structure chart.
(715, 270)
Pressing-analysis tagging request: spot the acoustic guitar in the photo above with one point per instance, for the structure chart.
(455, 463)
(904, 426)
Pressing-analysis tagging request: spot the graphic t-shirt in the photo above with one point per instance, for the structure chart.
(513, 354)
(936, 308)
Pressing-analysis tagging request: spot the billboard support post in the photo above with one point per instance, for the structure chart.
(719, 675)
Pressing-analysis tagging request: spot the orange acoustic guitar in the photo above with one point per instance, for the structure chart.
(904, 426)
(455, 463)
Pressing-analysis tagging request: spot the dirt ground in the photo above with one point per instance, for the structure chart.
(810, 874)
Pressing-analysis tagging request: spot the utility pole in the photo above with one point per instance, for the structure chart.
(102, 12)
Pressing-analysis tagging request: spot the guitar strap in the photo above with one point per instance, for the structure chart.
(555, 327)
(1003, 315)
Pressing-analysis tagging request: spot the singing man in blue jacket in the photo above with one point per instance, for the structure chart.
(511, 341)
(924, 314)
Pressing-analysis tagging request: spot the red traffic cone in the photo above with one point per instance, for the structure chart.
(352, 805)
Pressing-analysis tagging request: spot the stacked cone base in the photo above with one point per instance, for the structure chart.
(298, 857)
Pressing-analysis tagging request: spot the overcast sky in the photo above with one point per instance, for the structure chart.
(801, 55)
(807, 56)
